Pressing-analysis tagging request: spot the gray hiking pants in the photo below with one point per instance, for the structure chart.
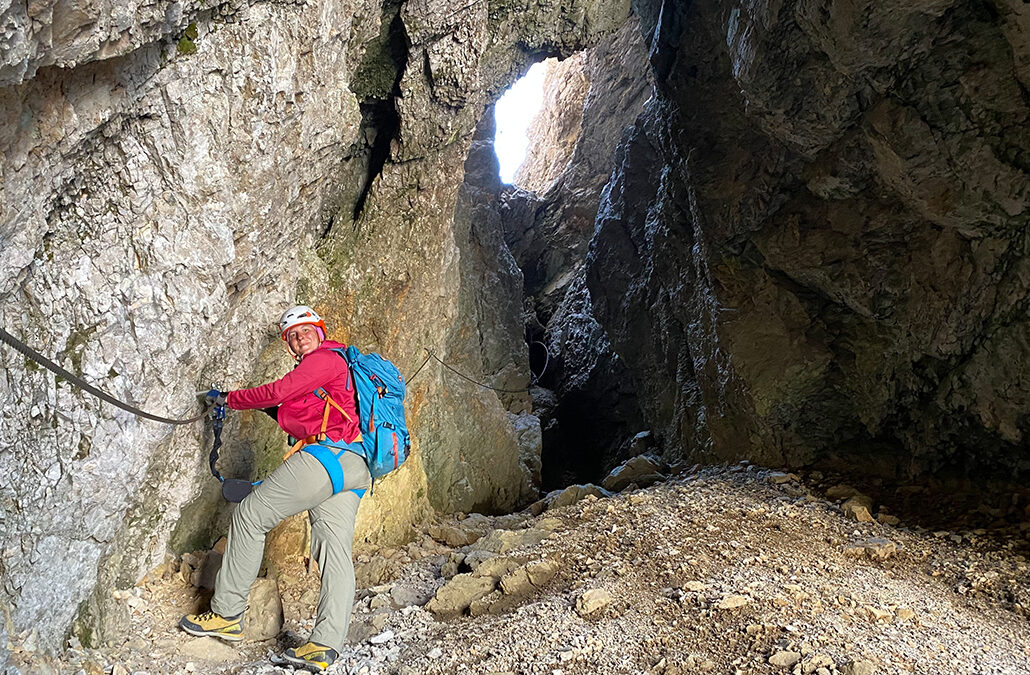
(299, 484)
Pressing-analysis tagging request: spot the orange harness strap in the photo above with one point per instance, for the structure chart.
(324, 395)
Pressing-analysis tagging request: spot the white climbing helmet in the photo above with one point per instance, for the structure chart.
(297, 316)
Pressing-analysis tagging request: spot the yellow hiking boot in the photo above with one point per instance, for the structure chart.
(225, 627)
(313, 656)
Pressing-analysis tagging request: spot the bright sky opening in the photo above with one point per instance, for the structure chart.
(514, 111)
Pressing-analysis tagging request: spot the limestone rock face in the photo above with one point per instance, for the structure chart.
(183, 175)
(812, 248)
(66, 33)
(156, 206)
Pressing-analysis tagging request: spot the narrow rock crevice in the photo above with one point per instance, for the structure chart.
(586, 399)
(376, 82)
(379, 124)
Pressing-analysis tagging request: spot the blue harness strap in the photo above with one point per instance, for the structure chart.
(330, 460)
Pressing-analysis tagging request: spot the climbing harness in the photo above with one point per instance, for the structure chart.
(233, 489)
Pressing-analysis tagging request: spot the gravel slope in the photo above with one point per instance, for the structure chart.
(729, 570)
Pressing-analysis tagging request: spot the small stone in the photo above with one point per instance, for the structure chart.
(593, 602)
(695, 586)
(876, 548)
(779, 478)
(435, 653)
(857, 509)
(818, 661)
(888, 519)
(859, 668)
(904, 614)
(784, 659)
(119, 669)
(733, 602)
(877, 614)
(382, 638)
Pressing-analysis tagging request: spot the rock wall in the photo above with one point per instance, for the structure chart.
(589, 100)
(814, 248)
(173, 177)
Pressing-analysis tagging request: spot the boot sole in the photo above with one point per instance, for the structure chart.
(307, 665)
(209, 633)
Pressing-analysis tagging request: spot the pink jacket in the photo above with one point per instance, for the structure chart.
(300, 410)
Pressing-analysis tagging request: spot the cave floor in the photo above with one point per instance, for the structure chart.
(723, 571)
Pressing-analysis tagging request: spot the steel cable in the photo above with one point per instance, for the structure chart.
(86, 386)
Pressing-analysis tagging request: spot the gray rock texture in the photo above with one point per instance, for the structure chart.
(159, 208)
(173, 176)
(812, 251)
(589, 100)
(813, 248)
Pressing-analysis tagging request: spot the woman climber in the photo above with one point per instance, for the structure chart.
(316, 404)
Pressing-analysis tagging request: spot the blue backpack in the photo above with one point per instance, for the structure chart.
(379, 388)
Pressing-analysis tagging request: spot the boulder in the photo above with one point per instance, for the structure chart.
(209, 649)
(454, 597)
(264, 617)
(503, 541)
(406, 596)
(287, 541)
(841, 491)
(204, 575)
(642, 470)
(573, 494)
(494, 602)
(526, 580)
(495, 566)
(453, 535)
(858, 508)
(779, 478)
(876, 548)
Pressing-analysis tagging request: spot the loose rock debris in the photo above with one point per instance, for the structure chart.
(734, 570)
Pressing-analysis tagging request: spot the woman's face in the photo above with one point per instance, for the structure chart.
(303, 339)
